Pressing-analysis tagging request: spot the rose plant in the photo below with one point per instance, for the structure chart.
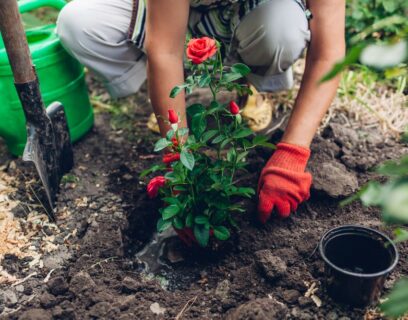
(199, 188)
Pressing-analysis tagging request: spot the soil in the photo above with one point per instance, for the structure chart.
(104, 218)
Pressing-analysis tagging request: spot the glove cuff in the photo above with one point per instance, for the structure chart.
(290, 157)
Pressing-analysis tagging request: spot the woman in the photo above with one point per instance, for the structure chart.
(116, 38)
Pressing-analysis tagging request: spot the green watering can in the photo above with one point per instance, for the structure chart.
(61, 79)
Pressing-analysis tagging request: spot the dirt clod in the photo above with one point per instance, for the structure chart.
(333, 178)
(47, 300)
(57, 286)
(260, 309)
(271, 266)
(290, 296)
(35, 314)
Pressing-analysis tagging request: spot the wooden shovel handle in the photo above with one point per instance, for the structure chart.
(15, 41)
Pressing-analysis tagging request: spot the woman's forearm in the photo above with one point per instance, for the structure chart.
(312, 103)
(165, 71)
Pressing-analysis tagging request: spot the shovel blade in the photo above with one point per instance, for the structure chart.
(49, 148)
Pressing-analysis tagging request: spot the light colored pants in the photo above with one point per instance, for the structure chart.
(270, 39)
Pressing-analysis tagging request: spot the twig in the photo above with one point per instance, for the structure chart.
(24, 280)
(47, 278)
(187, 306)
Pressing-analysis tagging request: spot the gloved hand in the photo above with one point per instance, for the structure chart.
(284, 184)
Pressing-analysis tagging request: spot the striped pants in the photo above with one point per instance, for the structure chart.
(268, 38)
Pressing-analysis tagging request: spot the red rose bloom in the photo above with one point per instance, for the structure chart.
(234, 108)
(199, 50)
(173, 117)
(171, 157)
(154, 185)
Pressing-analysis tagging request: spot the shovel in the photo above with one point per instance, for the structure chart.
(48, 141)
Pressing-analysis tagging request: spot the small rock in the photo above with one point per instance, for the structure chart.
(290, 296)
(10, 298)
(260, 309)
(47, 300)
(81, 282)
(100, 310)
(332, 315)
(130, 285)
(19, 288)
(35, 314)
(157, 309)
(332, 178)
(57, 286)
(346, 137)
(223, 289)
(304, 302)
(272, 266)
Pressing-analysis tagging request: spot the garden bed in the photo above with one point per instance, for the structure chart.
(86, 268)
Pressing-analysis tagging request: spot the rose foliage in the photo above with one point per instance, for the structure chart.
(201, 193)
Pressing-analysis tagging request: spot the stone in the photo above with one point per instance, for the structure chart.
(57, 286)
(19, 288)
(273, 267)
(290, 296)
(332, 315)
(47, 300)
(10, 298)
(223, 289)
(332, 178)
(81, 282)
(100, 310)
(259, 309)
(35, 314)
(130, 285)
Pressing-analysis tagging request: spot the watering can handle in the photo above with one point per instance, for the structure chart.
(29, 5)
(12, 31)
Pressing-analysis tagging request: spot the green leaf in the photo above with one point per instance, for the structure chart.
(202, 234)
(231, 155)
(187, 159)
(201, 219)
(155, 168)
(218, 217)
(194, 109)
(396, 304)
(208, 135)
(204, 80)
(198, 124)
(218, 139)
(241, 68)
(242, 155)
(230, 77)
(244, 192)
(189, 220)
(395, 202)
(401, 235)
(178, 223)
(224, 143)
(221, 232)
(242, 133)
(163, 224)
(170, 134)
(371, 195)
(170, 211)
(183, 131)
(176, 90)
(171, 200)
(352, 57)
(161, 144)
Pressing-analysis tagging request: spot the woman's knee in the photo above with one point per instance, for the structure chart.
(274, 35)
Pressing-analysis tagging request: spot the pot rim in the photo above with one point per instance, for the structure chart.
(357, 274)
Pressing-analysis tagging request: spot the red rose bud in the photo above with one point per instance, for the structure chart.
(173, 117)
(175, 142)
(154, 185)
(234, 108)
(171, 157)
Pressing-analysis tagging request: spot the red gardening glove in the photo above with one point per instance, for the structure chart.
(284, 184)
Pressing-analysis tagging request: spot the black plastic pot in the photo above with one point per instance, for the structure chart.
(358, 260)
